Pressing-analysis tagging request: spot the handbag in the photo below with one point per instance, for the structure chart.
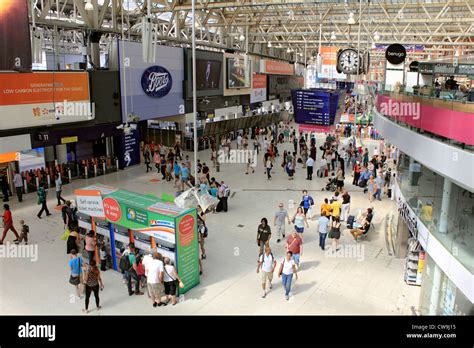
(74, 280)
(65, 235)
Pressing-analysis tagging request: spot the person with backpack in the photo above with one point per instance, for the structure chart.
(59, 189)
(307, 202)
(202, 229)
(266, 263)
(128, 264)
(42, 194)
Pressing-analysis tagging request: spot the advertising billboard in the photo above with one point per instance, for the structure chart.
(15, 45)
(151, 90)
(44, 98)
(259, 88)
(238, 73)
(208, 74)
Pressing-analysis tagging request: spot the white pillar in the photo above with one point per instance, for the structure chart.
(410, 172)
(435, 291)
(446, 199)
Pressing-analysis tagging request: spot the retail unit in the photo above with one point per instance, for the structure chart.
(119, 217)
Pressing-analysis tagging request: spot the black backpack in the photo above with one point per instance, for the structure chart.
(125, 264)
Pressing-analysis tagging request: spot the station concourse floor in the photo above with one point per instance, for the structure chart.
(229, 285)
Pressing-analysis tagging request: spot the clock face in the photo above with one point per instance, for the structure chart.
(348, 61)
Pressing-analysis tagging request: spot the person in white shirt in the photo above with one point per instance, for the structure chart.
(145, 260)
(170, 278)
(59, 188)
(309, 168)
(323, 166)
(18, 182)
(154, 276)
(267, 263)
(239, 142)
(287, 269)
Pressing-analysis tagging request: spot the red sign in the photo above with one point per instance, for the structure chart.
(315, 128)
(279, 68)
(259, 81)
(186, 230)
(112, 209)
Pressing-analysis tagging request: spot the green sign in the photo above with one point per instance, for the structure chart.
(136, 215)
(188, 252)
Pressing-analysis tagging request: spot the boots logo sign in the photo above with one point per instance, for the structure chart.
(156, 81)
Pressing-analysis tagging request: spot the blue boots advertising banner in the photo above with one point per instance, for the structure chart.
(128, 148)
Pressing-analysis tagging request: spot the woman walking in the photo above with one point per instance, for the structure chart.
(8, 224)
(287, 269)
(299, 219)
(93, 282)
(171, 279)
(335, 233)
(91, 244)
(73, 241)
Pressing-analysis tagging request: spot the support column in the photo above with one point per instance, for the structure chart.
(435, 291)
(446, 199)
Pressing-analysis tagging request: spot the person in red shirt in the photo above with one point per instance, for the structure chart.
(295, 245)
(8, 223)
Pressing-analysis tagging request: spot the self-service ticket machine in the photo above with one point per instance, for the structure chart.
(145, 220)
(121, 241)
(102, 230)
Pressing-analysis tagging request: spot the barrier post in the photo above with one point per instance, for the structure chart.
(86, 172)
(103, 167)
(25, 185)
(117, 164)
(37, 182)
(69, 174)
(48, 177)
(95, 169)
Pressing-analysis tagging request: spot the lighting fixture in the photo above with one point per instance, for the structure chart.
(288, 50)
(333, 35)
(373, 45)
(241, 37)
(456, 54)
(351, 19)
(376, 36)
(89, 6)
(269, 44)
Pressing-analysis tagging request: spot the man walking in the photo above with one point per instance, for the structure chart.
(281, 216)
(295, 245)
(309, 168)
(59, 189)
(18, 182)
(323, 224)
(267, 263)
(42, 194)
(131, 272)
(263, 235)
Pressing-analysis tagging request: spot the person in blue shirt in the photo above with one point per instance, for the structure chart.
(184, 176)
(307, 202)
(75, 264)
(364, 177)
(177, 172)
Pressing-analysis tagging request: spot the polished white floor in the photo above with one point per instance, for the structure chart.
(229, 285)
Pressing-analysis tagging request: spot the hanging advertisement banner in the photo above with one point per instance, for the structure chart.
(15, 45)
(129, 149)
(259, 88)
(44, 98)
(328, 64)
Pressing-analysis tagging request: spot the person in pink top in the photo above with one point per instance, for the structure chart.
(91, 244)
(8, 223)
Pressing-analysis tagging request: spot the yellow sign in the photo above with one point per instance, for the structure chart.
(68, 140)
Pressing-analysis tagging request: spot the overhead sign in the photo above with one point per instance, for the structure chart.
(259, 88)
(156, 81)
(67, 140)
(315, 107)
(44, 98)
(395, 54)
(89, 202)
(279, 68)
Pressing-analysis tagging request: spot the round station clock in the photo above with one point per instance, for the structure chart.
(348, 60)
